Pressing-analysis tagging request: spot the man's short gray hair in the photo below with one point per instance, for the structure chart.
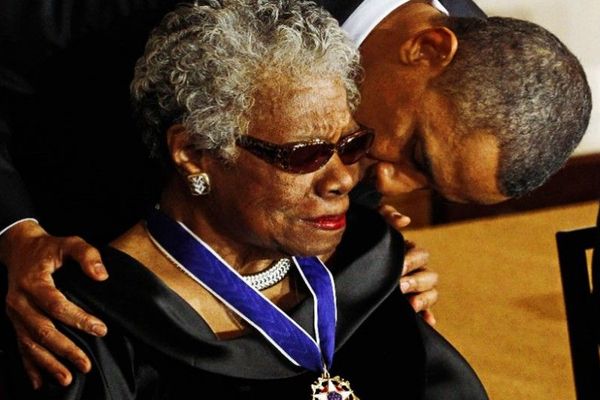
(517, 80)
(204, 63)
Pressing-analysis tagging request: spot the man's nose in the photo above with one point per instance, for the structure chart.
(393, 179)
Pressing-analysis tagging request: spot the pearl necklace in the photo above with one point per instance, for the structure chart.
(259, 281)
(269, 277)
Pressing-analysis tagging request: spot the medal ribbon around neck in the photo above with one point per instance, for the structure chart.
(207, 268)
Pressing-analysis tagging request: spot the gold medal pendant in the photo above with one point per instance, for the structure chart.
(328, 388)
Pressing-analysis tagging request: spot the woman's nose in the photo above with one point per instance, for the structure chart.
(338, 178)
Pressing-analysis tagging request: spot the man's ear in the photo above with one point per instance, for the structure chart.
(432, 47)
(186, 159)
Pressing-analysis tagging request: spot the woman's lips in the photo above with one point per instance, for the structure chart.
(329, 222)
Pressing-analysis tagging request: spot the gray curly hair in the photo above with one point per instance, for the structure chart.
(204, 63)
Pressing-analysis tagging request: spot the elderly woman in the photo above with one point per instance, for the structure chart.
(220, 292)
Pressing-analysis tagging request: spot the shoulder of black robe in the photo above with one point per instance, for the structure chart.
(448, 375)
(158, 344)
(155, 337)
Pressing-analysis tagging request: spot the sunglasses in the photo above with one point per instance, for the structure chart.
(309, 156)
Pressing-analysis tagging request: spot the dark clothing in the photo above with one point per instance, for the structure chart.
(65, 69)
(158, 347)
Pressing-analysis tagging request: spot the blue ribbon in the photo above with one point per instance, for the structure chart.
(208, 269)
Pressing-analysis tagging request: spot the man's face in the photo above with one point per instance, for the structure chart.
(417, 141)
(418, 145)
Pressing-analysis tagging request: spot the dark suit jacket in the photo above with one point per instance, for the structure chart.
(65, 118)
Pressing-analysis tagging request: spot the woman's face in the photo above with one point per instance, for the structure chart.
(261, 207)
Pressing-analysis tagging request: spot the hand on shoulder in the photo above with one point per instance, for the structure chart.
(31, 256)
(418, 281)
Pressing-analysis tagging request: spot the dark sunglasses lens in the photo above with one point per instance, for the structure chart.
(309, 158)
(355, 147)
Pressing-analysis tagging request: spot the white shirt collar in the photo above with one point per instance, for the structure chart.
(370, 13)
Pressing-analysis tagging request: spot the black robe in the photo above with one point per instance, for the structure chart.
(158, 347)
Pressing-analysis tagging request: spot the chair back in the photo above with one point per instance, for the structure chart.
(582, 302)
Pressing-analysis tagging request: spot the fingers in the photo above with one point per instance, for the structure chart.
(429, 317)
(41, 332)
(34, 375)
(415, 258)
(423, 300)
(39, 287)
(31, 256)
(56, 305)
(35, 356)
(394, 218)
(40, 341)
(86, 256)
(35, 291)
(419, 281)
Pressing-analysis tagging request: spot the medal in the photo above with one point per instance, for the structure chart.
(328, 388)
(201, 263)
